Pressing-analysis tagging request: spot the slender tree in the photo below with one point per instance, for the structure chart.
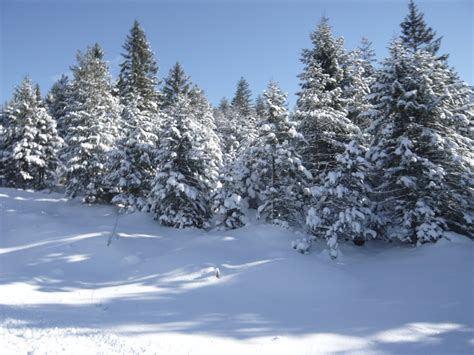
(57, 102)
(92, 124)
(177, 83)
(138, 72)
(416, 34)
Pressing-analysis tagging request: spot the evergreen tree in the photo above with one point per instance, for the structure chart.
(321, 106)
(421, 151)
(242, 115)
(342, 207)
(57, 102)
(138, 72)
(92, 124)
(30, 142)
(367, 58)
(132, 162)
(177, 83)
(242, 101)
(187, 171)
(357, 89)
(229, 205)
(273, 172)
(228, 130)
(260, 106)
(416, 34)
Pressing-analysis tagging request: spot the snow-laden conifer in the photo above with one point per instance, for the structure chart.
(273, 174)
(138, 73)
(92, 125)
(342, 208)
(30, 142)
(422, 148)
(321, 106)
(187, 170)
(57, 102)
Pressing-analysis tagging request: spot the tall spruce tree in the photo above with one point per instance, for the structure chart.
(92, 125)
(30, 142)
(242, 101)
(132, 162)
(422, 150)
(243, 114)
(416, 34)
(138, 72)
(228, 130)
(357, 88)
(321, 106)
(187, 170)
(272, 171)
(260, 107)
(177, 83)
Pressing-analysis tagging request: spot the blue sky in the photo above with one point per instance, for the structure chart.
(216, 41)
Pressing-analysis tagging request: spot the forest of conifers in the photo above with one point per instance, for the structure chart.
(371, 151)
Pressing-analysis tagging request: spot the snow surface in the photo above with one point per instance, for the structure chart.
(155, 290)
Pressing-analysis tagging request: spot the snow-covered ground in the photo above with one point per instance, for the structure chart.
(154, 290)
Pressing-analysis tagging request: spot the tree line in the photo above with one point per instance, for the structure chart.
(371, 151)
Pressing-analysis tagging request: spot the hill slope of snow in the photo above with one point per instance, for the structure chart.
(155, 290)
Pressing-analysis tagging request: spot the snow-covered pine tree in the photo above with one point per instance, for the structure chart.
(244, 114)
(177, 83)
(188, 166)
(138, 72)
(92, 125)
(321, 107)
(259, 107)
(57, 102)
(367, 54)
(342, 207)
(30, 142)
(275, 174)
(417, 35)
(360, 77)
(227, 128)
(421, 152)
(132, 162)
(242, 101)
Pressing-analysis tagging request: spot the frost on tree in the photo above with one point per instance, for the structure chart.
(30, 142)
(187, 170)
(91, 121)
(423, 148)
(272, 173)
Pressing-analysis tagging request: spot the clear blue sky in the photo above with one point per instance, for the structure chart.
(216, 41)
